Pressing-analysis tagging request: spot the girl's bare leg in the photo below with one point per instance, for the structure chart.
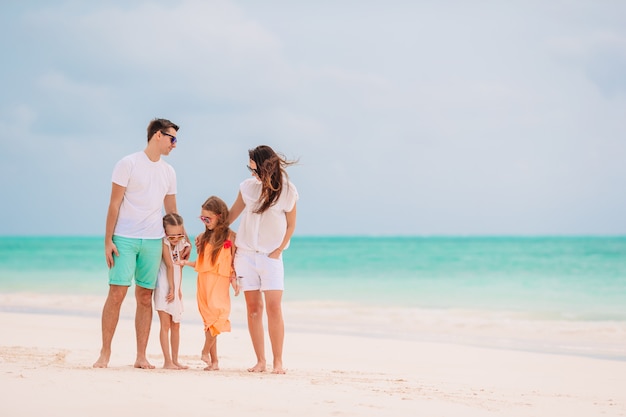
(164, 338)
(175, 342)
(209, 351)
(254, 306)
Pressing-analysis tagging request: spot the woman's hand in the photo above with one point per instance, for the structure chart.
(234, 282)
(275, 254)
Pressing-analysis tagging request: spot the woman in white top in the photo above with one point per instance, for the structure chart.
(267, 204)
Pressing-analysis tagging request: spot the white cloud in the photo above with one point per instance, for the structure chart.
(441, 118)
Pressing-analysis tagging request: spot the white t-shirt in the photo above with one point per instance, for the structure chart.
(263, 232)
(147, 183)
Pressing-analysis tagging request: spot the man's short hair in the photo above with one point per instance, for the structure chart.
(159, 124)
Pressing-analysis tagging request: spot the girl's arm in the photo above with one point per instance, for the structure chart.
(169, 267)
(291, 226)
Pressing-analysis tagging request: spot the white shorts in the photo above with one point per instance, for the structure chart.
(257, 271)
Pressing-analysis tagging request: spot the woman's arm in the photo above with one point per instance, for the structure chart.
(233, 274)
(291, 226)
(236, 209)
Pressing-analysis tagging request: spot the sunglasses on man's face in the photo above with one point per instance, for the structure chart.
(172, 137)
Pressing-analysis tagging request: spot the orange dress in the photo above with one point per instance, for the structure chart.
(213, 292)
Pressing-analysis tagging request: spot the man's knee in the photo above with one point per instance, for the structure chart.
(143, 297)
(117, 294)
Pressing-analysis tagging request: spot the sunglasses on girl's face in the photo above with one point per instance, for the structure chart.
(175, 237)
(252, 169)
(172, 137)
(205, 220)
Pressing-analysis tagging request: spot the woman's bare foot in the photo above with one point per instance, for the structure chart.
(259, 367)
(170, 365)
(212, 367)
(103, 360)
(180, 365)
(205, 358)
(278, 368)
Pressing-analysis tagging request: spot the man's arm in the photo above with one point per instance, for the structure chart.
(169, 202)
(117, 195)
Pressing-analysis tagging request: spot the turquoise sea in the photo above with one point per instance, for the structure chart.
(565, 278)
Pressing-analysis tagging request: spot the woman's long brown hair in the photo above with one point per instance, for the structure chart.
(219, 234)
(270, 168)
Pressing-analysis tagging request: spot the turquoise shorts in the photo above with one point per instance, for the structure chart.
(139, 259)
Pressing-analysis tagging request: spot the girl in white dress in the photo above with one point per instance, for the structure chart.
(168, 296)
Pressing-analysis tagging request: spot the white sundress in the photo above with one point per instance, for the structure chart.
(175, 308)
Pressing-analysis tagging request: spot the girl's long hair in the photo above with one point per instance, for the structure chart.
(270, 168)
(220, 232)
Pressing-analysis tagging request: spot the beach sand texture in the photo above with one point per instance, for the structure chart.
(45, 369)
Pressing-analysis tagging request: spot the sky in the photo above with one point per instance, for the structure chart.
(408, 118)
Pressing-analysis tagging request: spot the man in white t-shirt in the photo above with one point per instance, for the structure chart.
(143, 184)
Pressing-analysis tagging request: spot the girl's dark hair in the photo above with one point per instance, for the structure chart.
(172, 219)
(220, 232)
(270, 168)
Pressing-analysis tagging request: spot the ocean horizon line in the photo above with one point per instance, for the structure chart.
(376, 236)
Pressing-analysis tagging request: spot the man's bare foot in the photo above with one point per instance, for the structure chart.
(180, 365)
(259, 367)
(212, 367)
(170, 365)
(103, 361)
(143, 364)
(205, 358)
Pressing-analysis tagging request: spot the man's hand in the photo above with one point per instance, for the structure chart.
(109, 250)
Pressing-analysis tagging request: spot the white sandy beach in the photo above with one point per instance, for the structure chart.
(45, 369)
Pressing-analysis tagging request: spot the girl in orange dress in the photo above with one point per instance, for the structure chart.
(214, 266)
